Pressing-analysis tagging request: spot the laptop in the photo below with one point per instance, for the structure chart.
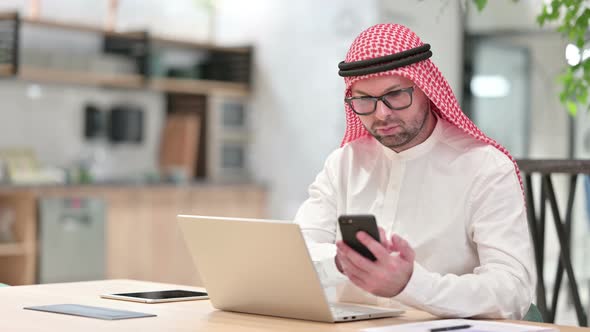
(263, 267)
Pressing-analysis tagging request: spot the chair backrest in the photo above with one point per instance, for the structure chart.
(533, 315)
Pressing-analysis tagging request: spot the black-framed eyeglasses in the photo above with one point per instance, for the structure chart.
(394, 100)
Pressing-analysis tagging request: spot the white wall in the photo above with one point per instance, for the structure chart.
(297, 105)
(52, 124)
(439, 23)
(506, 15)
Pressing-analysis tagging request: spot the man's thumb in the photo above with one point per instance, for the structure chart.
(403, 247)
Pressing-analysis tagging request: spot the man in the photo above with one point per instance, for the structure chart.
(448, 199)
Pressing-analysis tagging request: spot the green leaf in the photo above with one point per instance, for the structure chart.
(562, 97)
(572, 35)
(480, 4)
(567, 78)
(571, 108)
(543, 16)
(580, 39)
(582, 20)
(555, 10)
(583, 95)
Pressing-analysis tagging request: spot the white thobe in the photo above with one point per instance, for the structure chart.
(459, 204)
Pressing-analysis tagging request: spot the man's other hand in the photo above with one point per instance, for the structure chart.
(385, 277)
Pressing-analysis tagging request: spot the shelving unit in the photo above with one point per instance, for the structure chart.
(47, 75)
(198, 86)
(135, 44)
(223, 72)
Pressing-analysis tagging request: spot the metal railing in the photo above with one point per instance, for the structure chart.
(537, 216)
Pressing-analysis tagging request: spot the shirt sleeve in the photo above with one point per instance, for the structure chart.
(317, 218)
(502, 286)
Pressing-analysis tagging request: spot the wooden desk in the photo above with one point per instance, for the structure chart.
(176, 316)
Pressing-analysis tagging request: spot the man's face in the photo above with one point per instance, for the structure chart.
(396, 129)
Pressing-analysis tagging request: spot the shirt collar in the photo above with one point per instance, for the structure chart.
(420, 149)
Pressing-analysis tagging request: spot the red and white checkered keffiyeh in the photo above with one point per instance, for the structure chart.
(385, 39)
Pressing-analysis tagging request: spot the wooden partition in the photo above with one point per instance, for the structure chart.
(17, 257)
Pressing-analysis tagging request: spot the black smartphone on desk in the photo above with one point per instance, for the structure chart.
(351, 224)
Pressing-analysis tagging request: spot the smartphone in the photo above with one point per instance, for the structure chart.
(158, 296)
(351, 224)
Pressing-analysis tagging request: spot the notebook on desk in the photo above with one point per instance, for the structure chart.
(263, 267)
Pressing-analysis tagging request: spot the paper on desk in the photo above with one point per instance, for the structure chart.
(476, 326)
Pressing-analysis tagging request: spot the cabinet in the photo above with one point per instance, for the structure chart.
(142, 238)
(18, 254)
(71, 239)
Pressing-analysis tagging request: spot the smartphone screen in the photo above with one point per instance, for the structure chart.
(352, 224)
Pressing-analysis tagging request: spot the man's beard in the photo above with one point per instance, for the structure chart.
(408, 132)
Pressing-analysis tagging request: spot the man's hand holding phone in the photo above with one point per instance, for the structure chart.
(388, 274)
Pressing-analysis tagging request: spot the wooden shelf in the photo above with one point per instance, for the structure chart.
(5, 70)
(8, 16)
(83, 78)
(198, 45)
(12, 249)
(137, 81)
(131, 81)
(48, 23)
(198, 86)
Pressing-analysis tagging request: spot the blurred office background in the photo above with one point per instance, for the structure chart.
(117, 115)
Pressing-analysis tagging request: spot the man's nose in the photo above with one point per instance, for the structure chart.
(382, 112)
